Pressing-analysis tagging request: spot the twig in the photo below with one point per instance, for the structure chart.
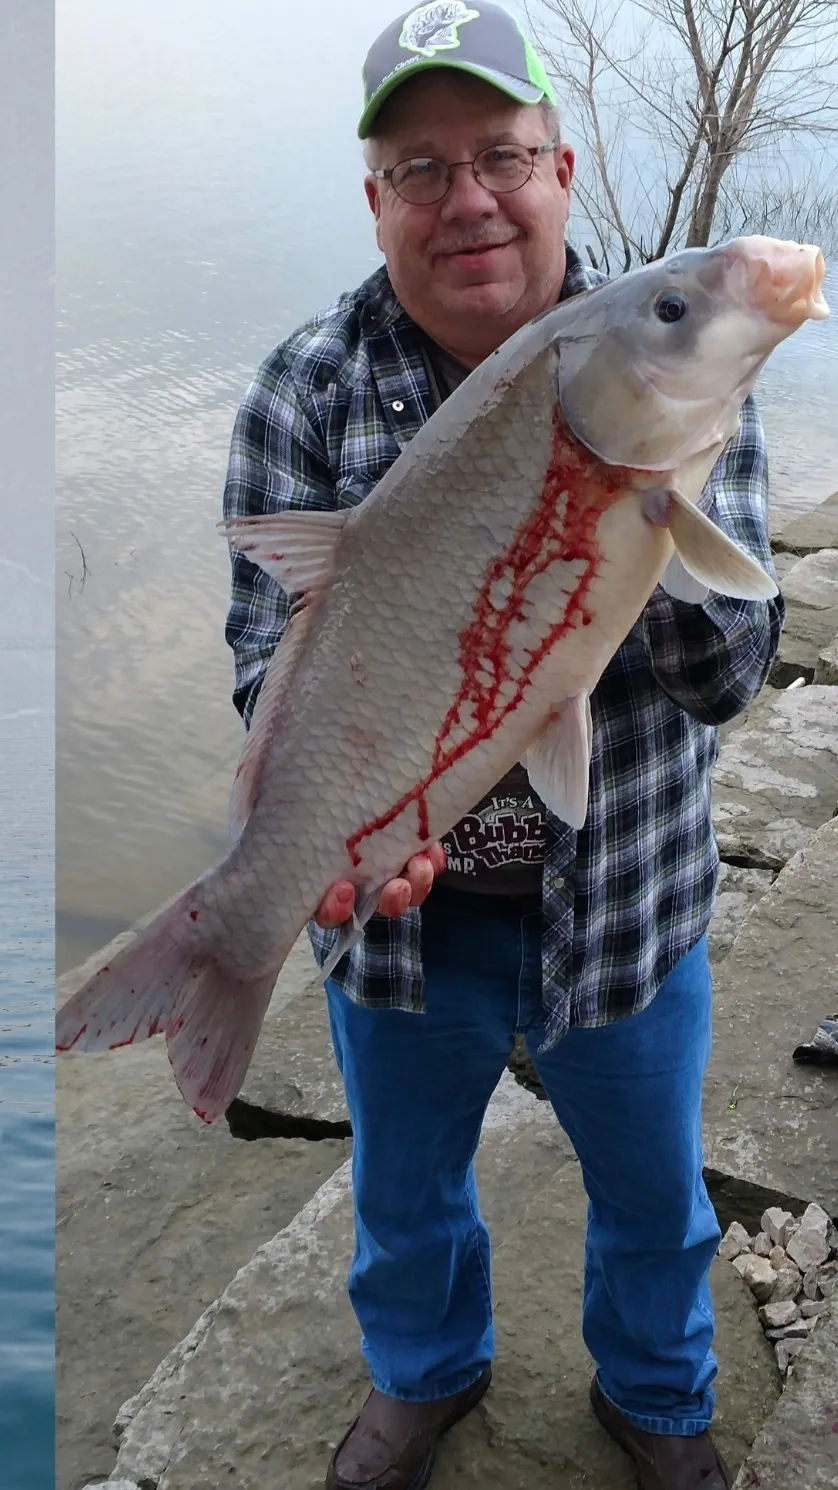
(85, 570)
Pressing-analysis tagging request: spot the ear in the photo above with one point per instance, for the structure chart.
(373, 196)
(374, 199)
(565, 164)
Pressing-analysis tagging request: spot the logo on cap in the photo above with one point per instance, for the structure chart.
(433, 28)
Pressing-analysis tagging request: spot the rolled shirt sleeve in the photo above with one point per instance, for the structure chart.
(712, 659)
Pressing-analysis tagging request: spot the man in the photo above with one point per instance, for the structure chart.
(591, 943)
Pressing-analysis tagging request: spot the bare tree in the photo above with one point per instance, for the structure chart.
(686, 112)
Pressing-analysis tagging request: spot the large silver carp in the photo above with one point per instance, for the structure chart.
(457, 621)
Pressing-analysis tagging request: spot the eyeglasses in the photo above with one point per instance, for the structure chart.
(500, 168)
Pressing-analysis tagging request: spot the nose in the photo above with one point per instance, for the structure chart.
(782, 280)
(465, 197)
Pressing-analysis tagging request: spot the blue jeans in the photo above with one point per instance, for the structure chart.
(628, 1095)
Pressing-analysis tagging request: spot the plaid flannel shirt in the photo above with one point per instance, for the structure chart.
(623, 899)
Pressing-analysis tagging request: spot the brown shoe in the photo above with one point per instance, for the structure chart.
(663, 1461)
(391, 1444)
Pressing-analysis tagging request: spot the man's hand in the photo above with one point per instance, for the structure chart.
(412, 888)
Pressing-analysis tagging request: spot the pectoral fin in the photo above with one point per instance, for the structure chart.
(707, 554)
(559, 762)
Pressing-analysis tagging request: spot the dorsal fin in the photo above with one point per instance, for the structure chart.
(297, 549)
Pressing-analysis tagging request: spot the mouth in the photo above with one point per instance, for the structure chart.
(477, 256)
(785, 280)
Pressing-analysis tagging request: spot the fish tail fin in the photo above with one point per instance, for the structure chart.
(171, 980)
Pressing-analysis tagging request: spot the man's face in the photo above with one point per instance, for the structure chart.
(470, 302)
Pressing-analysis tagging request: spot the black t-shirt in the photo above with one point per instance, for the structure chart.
(499, 847)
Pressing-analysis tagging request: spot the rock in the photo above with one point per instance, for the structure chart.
(776, 1314)
(812, 531)
(797, 1448)
(734, 1242)
(776, 779)
(777, 1257)
(787, 1286)
(811, 1308)
(737, 891)
(776, 1223)
(768, 1121)
(809, 1246)
(797, 1330)
(786, 1351)
(810, 1323)
(271, 1376)
(293, 1073)
(758, 1274)
(810, 1282)
(828, 1279)
(810, 591)
(763, 1245)
(826, 667)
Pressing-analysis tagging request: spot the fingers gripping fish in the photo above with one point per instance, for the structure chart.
(457, 621)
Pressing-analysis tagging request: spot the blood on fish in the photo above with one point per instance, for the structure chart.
(75, 1039)
(587, 489)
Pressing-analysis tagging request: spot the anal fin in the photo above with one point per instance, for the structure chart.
(352, 930)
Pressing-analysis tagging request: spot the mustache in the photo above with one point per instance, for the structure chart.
(464, 245)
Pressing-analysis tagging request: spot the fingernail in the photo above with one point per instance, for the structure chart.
(345, 895)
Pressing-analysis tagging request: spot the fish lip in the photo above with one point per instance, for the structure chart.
(818, 306)
(787, 306)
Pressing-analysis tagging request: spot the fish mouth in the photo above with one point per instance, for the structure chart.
(782, 280)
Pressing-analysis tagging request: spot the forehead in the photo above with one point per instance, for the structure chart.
(442, 110)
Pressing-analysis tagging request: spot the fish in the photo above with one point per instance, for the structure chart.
(433, 28)
(457, 621)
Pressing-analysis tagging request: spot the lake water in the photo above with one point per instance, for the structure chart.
(27, 1203)
(209, 198)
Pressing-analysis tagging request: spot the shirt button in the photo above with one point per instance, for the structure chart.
(398, 405)
(560, 884)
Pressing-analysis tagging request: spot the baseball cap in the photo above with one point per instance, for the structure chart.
(482, 39)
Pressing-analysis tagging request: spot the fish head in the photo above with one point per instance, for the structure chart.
(654, 368)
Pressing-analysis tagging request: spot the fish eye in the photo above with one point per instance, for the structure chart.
(671, 306)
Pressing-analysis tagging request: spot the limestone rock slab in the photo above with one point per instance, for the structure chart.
(810, 590)
(269, 1378)
(776, 779)
(155, 1213)
(799, 1443)
(814, 530)
(826, 667)
(293, 1071)
(768, 1121)
(737, 892)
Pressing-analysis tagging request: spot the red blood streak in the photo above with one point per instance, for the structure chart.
(193, 915)
(548, 535)
(75, 1039)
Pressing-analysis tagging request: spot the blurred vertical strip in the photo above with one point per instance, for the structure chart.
(27, 748)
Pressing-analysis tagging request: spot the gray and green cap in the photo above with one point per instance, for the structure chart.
(482, 39)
